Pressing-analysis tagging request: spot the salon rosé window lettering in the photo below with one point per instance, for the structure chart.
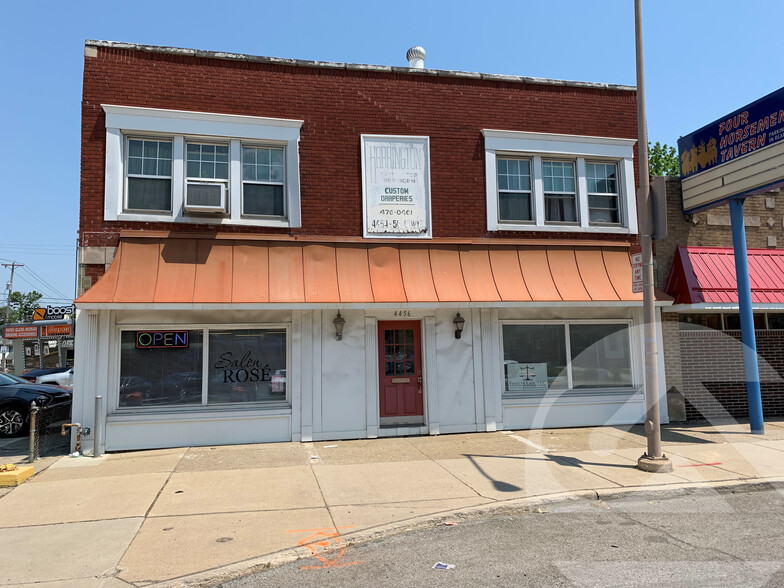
(244, 369)
(161, 339)
(396, 185)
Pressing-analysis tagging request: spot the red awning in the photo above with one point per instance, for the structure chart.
(707, 274)
(237, 271)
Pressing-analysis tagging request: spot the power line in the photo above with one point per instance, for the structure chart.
(55, 290)
(33, 286)
(40, 253)
(25, 247)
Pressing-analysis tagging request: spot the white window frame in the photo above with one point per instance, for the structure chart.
(127, 175)
(508, 191)
(575, 148)
(181, 126)
(616, 195)
(574, 196)
(204, 406)
(570, 390)
(244, 214)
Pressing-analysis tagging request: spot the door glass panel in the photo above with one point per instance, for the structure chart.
(399, 351)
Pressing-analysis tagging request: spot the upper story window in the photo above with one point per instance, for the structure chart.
(262, 181)
(514, 190)
(565, 183)
(149, 175)
(603, 205)
(560, 194)
(193, 167)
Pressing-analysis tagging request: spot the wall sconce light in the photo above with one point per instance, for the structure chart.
(339, 322)
(459, 323)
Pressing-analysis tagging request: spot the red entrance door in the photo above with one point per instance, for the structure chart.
(400, 369)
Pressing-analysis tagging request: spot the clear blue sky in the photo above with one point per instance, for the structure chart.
(703, 59)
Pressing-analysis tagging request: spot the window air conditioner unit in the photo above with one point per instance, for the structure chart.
(205, 197)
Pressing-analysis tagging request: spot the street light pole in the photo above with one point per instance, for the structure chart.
(653, 460)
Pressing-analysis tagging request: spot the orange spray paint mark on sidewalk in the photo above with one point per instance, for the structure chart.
(326, 546)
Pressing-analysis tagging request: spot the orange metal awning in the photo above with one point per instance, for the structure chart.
(225, 271)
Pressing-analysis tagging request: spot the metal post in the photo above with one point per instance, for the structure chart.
(653, 460)
(98, 427)
(33, 417)
(749, 338)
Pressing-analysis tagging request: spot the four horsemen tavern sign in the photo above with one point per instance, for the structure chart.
(740, 154)
(396, 186)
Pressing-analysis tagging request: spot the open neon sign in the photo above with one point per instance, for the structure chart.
(161, 339)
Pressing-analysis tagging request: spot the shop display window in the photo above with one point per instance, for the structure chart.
(584, 356)
(246, 365)
(160, 375)
(600, 355)
(166, 368)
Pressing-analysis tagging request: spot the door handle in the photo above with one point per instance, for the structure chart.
(419, 379)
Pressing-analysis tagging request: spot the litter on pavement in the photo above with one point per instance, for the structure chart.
(443, 566)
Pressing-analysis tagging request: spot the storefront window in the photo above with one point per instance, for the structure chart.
(534, 358)
(247, 365)
(692, 322)
(600, 356)
(776, 321)
(160, 368)
(732, 322)
(537, 358)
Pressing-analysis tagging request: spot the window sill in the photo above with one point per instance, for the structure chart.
(202, 220)
(198, 412)
(561, 228)
(597, 395)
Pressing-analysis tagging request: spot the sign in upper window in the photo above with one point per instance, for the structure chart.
(396, 186)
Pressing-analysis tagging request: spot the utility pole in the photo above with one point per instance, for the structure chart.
(653, 460)
(13, 265)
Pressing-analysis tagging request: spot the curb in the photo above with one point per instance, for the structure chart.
(215, 576)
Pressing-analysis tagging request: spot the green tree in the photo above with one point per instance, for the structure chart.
(663, 160)
(22, 306)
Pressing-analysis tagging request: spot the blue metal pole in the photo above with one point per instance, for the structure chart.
(746, 318)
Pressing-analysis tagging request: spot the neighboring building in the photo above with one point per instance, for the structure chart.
(294, 250)
(702, 349)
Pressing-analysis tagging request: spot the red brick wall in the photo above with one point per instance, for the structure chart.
(337, 107)
(713, 377)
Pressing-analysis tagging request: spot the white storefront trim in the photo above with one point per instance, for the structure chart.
(333, 386)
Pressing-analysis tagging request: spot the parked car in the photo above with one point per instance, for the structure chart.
(31, 375)
(16, 396)
(59, 378)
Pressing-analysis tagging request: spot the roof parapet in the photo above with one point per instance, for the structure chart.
(89, 43)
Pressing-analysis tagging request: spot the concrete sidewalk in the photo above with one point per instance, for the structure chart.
(194, 515)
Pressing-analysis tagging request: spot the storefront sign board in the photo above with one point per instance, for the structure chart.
(20, 332)
(396, 186)
(56, 330)
(739, 154)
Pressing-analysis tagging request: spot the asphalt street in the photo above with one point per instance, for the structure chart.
(696, 538)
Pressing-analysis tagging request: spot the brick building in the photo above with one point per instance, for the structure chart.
(274, 249)
(702, 340)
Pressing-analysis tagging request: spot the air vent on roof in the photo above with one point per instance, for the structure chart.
(416, 57)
